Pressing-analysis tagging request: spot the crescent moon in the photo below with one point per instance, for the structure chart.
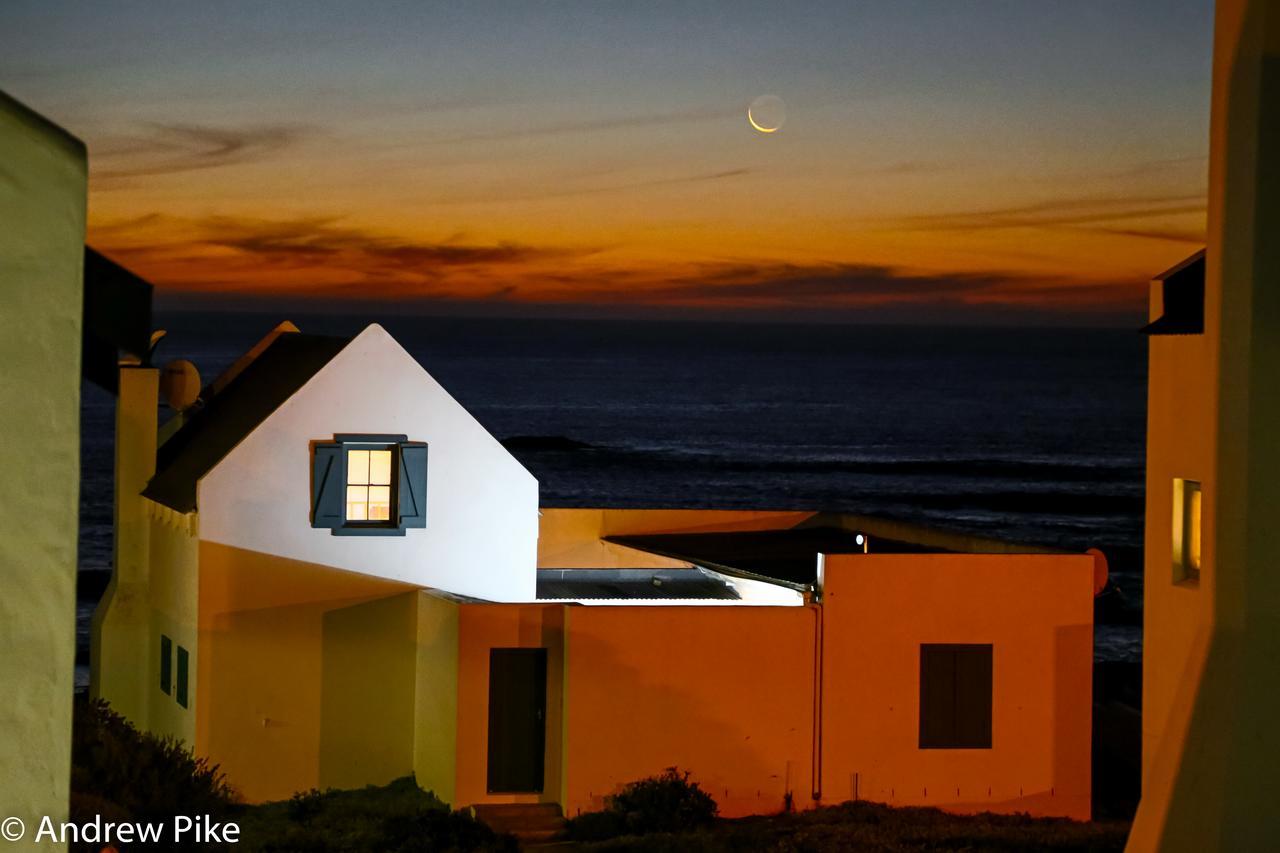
(758, 127)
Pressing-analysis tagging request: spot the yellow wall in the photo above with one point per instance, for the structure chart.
(436, 697)
(265, 710)
(724, 692)
(123, 647)
(42, 206)
(572, 538)
(173, 596)
(1036, 611)
(367, 672)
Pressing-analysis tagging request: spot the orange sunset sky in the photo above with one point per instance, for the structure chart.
(970, 161)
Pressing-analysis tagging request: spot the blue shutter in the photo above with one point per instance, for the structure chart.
(166, 664)
(182, 677)
(327, 486)
(413, 484)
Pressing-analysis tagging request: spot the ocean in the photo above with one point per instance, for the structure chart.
(1030, 435)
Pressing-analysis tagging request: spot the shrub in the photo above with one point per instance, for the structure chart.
(668, 802)
(396, 818)
(142, 775)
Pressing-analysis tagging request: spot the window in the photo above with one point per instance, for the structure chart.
(370, 485)
(166, 664)
(955, 696)
(181, 693)
(1187, 502)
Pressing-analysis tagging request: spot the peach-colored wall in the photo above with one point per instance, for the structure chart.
(482, 627)
(726, 693)
(1036, 610)
(1181, 420)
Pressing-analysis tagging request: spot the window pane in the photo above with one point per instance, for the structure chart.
(380, 467)
(379, 503)
(357, 467)
(1193, 533)
(357, 503)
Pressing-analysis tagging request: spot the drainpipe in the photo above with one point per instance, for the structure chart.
(817, 678)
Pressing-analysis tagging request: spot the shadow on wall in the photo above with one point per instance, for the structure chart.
(278, 648)
(725, 694)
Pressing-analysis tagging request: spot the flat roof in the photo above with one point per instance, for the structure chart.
(789, 555)
(587, 584)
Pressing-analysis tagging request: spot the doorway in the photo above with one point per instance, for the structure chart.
(517, 720)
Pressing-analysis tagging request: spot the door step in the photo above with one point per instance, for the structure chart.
(533, 824)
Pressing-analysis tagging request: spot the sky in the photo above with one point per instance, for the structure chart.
(966, 161)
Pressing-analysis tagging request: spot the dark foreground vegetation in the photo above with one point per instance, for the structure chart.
(870, 828)
(670, 813)
(122, 775)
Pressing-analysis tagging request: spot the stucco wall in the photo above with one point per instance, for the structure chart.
(1036, 611)
(726, 693)
(482, 627)
(435, 715)
(42, 206)
(482, 505)
(272, 645)
(1181, 418)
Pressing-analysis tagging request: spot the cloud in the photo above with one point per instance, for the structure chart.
(595, 126)
(164, 149)
(700, 178)
(842, 286)
(306, 262)
(314, 255)
(1056, 213)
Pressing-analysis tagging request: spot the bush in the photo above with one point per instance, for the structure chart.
(143, 776)
(126, 775)
(396, 818)
(668, 802)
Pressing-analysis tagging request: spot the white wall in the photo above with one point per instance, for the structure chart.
(482, 505)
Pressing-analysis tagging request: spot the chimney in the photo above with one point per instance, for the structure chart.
(121, 632)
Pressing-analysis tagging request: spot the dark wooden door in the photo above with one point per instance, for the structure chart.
(517, 719)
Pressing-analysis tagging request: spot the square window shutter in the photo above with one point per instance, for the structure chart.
(973, 696)
(937, 696)
(413, 484)
(327, 487)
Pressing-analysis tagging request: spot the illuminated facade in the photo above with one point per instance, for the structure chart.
(329, 575)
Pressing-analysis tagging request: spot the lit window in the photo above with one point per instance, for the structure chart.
(1187, 502)
(369, 485)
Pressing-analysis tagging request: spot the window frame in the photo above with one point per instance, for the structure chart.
(389, 523)
(370, 441)
(1186, 574)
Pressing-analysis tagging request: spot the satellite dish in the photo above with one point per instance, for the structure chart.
(180, 384)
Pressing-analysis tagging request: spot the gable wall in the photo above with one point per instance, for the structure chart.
(482, 505)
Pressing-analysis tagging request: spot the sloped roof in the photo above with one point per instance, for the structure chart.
(231, 414)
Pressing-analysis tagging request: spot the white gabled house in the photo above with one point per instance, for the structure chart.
(465, 513)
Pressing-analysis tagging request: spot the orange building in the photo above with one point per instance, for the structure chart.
(320, 595)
